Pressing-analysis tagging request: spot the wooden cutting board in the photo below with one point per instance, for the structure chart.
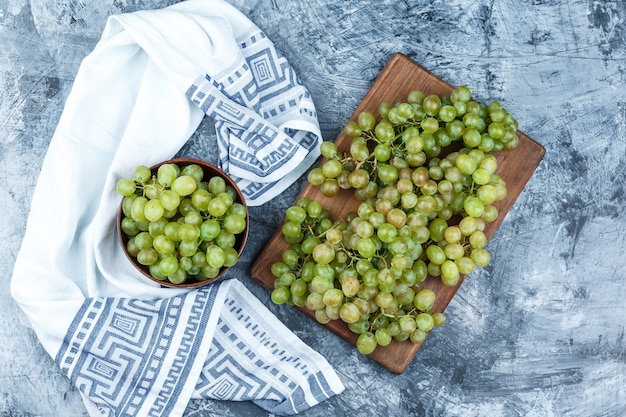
(398, 78)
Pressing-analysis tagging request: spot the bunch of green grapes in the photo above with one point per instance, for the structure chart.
(179, 224)
(427, 181)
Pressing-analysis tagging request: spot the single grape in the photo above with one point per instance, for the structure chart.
(383, 337)
(424, 299)
(366, 343)
(142, 174)
(184, 185)
(215, 256)
(280, 295)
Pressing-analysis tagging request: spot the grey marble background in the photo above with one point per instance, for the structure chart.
(539, 333)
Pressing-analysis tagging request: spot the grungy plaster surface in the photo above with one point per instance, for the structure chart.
(539, 333)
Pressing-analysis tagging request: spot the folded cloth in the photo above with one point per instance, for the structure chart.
(131, 347)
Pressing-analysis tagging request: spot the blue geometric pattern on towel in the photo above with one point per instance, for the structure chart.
(248, 103)
(246, 363)
(251, 142)
(116, 348)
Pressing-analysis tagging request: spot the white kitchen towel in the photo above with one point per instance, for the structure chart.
(131, 347)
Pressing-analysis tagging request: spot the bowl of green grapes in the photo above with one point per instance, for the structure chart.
(182, 222)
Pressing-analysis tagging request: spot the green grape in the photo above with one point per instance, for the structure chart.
(217, 207)
(314, 301)
(137, 209)
(296, 214)
(155, 271)
(435, 254)
(350, 286)
(147, 256)
(280, 295)
(430, 125)
(200, 199)
(217, 185)
(210, 229)
(334, 297)
(199, 259)
(431, 104)
(384, 300)
(384, 131)
(323, 253)
(366, 247)
(415, 97)
(349, 313)
(382, 152)
(279, 268)
(395, 118)
(407, 324)
(460, 93)
(167, 173)
(285, 280)
(447, 113)
(163, 245)
(424, 321)
(316, 176)
(359, 150)
(490, 213)
(449, 273)
(169, 199)
(454, 250)
(231, 257)
(480, 257)
(290, 258)
(168, 265)
(142, 174)
(187, 248)
(330, 187)
(439, 319)
(320, 284)
(129, 226)
(474, 206)
(383, 337)
(366, 121)
(465, 265)
(226, 239)
(352, 129)
(185, 263)
(328, 149)
(193, 170)
(144, 240)
(424, 299)
(234, 223)
(153, 210)
(299, 287)
(396, 217)
(189, 232)
(125, 187)
(314, 209)
(405, 110)
(322, 316)
(417, 336)
(178, 277)
(184, 185)
(215, 256)
(332, 168)
(157, 227)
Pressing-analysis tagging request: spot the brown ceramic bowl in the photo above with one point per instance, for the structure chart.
(240, 239)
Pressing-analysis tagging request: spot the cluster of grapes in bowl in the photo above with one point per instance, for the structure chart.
(182, 222)
(426, 180)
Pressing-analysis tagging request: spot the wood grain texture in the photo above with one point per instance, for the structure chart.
(397, 79)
